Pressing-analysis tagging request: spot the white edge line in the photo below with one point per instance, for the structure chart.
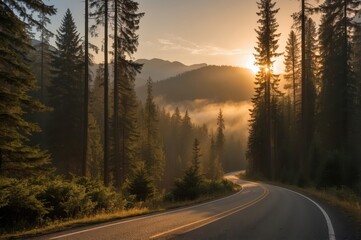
(141, 218)
(331, 231)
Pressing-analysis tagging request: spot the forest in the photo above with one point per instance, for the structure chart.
(75, 143)
(309, 133)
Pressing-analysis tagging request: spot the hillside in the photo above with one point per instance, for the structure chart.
(212, 83)
(159, 69)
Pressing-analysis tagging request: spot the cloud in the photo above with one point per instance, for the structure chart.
(172, 42)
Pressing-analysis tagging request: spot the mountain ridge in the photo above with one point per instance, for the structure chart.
(211, 83)
(159, 69)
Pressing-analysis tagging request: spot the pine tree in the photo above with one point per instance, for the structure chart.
(189, 186)
(45, 54)
(125, 107)
(292, 70)
(311, 78)
(337, 81)
(261, 139)
(17, 158)
(94, 151)
(220, 138)
(338, 91)
(100, 13)
(186, 137)
(152, 147)
(141, 183)
(356, 63)
(67, 98)
(40, 65)
(196, 156)
(86, 90)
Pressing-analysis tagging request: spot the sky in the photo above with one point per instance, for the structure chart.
(216, 32)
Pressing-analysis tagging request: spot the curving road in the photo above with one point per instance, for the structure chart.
(259, 211)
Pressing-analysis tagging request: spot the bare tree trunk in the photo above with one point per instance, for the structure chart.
(86, 89)
(116, 99)
(346, 92)
(304, 89)
(106, 123)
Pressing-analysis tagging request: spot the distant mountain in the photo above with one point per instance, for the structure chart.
(36, 44)
(159, 69)
(211, 83)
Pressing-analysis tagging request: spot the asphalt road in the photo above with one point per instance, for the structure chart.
(259, 211)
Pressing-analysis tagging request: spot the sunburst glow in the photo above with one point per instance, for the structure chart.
(251, 65)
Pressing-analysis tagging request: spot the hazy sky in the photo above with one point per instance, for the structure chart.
(219, 32)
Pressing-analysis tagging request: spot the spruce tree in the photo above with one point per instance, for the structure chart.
(292, 70)
(186, 137)
(214, 170)
(100, 14)
(337, 95)
(337, 75)
(125, 107)
(86, 90)
(220, 138)
(17, 157)
(45, 53)
(311, 77)
(67, 91)
(262, 137)
(95, 151)
(140, 183)
(152, 147)
(196, 156)
(40, 65)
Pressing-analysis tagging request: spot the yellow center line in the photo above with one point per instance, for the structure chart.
(217, 216)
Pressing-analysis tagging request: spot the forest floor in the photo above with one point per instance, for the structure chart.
(140, 209)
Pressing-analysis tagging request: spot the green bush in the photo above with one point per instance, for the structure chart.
(105, 199)
(211, 187)
(66, 199)
(30, 203)
(19, 204)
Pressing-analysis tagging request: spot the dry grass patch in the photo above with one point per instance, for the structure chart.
(66, 224)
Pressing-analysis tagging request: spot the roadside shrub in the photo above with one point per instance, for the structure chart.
(66, 199)
(33, 202)
(19, 204)
(217, 186)
(105, 199)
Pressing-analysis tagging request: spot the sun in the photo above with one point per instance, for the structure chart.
(250, 64)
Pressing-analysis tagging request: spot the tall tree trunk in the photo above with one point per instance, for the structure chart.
(86, 89)
(42, 67)
(106, 99)
(304, 105)
(346, 83)
(116, 99)
(269, 155)
(294, 81)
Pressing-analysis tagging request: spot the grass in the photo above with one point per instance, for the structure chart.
(140, 209)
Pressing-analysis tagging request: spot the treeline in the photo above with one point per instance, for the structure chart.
(309, 134)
